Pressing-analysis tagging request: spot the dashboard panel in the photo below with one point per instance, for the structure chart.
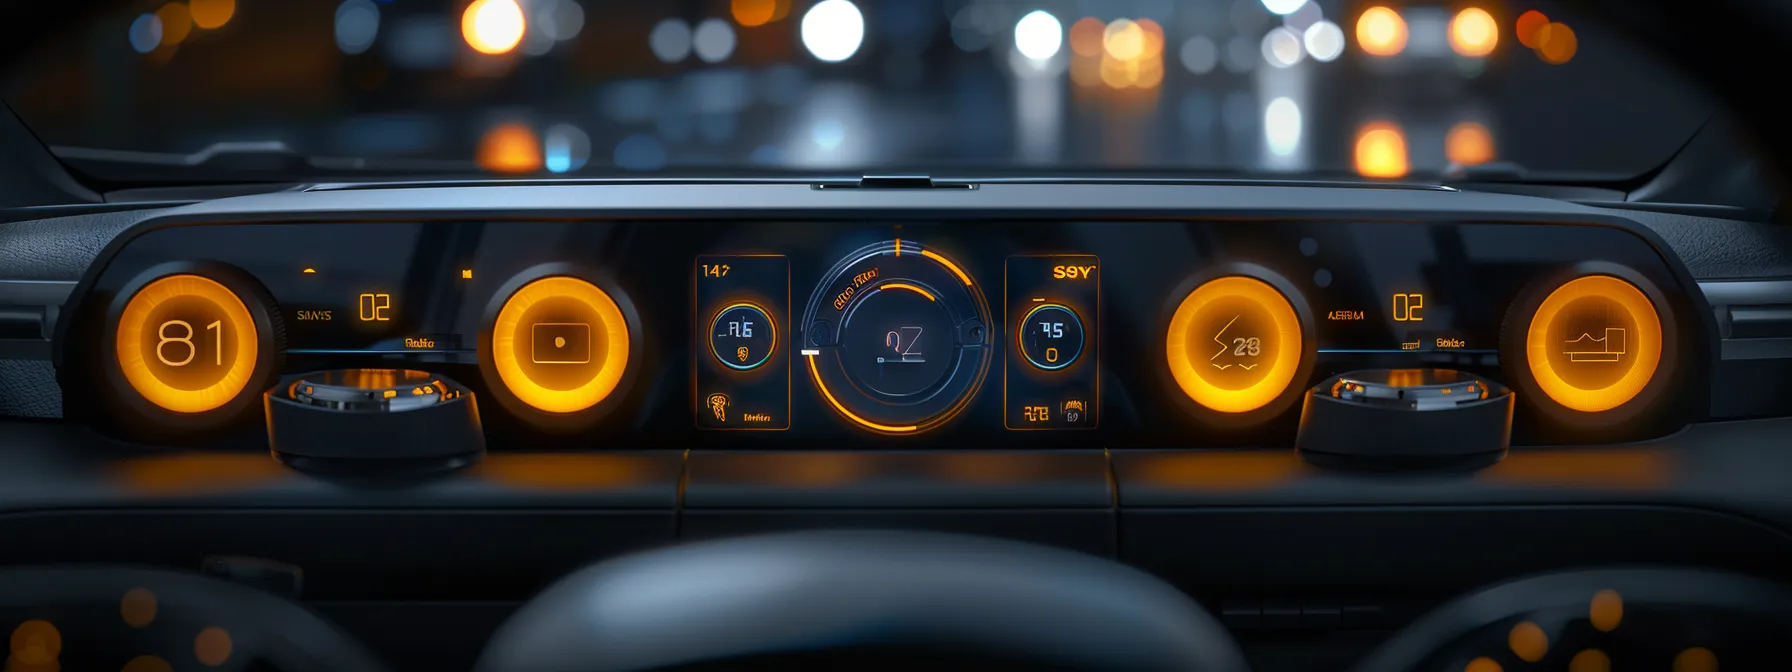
(669, 333)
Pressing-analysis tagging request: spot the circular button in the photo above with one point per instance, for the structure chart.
(1234, 344)
(1594, 343)
(1051, 336)
(187, 343)
(742, 336)
(560, 344)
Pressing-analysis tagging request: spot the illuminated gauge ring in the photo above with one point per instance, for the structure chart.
(1020, 334)
(715, 325)
(897, 338)
(248, 343)
(566, 305)
(1275, 308)
(1596, 397)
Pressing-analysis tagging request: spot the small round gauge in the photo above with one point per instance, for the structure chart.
(742, 336)
(1051, 336)
(191, 346)
(896, 338)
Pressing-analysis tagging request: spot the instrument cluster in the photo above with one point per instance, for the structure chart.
(784, 334)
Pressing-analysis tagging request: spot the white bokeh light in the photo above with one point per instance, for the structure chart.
(1284, 7)
(1325, 41)
(1281, 47)
(1282, 126)
(670, 40)
(1038, 35)
(833, 30)
(714, 40)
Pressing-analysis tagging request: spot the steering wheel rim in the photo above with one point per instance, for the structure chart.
(281, 632)
(737, 599)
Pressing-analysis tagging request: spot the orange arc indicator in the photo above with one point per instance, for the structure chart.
(930, 254)
(226, 311)
(1587, 371)
(1196, 326)
(913, 288)
(510, 336)
(815, 374)
(771, 323)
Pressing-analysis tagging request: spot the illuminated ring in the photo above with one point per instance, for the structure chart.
(1020, 332)
(132, 359)
(717, 320)
(503, 347)
(1282, 369)
(1648, 344)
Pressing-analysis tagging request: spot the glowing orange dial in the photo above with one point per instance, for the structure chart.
(560, 344)
(186, 343)
(1234, 344)
(1594, 343)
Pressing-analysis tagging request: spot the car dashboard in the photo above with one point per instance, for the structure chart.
(1317, 408)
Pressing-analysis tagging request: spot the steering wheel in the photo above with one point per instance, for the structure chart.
(860, 600)
(149, 620)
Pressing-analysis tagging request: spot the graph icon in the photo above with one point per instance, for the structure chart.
(1587, 349)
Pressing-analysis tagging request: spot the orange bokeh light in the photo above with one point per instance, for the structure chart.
(510, 148)
(1124, 40)
(1381, 151)
(1154, 38)
(1474, 33)
(1381, 32)
(751, 13)
(492, 26)
(1529, 23)
(177, 23)
(1556, 43)
(1086, 36)
(1469, 143)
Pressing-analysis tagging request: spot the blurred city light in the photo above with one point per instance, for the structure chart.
(1469, 143)
(492, 26)
(176, 23)
(670, 40)
(1556, 43)
(1038, 35)
(1381, 151)
(566, 148)
(1284, 6)
(1282, 126)
(1324, 41)
(510, 147)
(713, 41)
(1381, 31)
(1281, 47)
(558, 20)
(146, 33)
(210, 14)
(1529, 24)
(833, 30)
(1087, 36)
(357, 24)
(1473, 33)
(1123, 40)
(750, 13)
(1200, 55)
(1301, 19)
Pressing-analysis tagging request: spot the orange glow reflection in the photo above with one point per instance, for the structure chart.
(177, 23)
(751, 13)
(1468, 144)
(209, 14)
(510, 148)
(199, 473)
(1381, 151)
(1599, 468)
(1381, 32)
(1474, 33)
(554, 471)
(987, 468)
(1223, 471)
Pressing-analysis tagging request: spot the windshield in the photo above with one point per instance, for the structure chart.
(1305, 87)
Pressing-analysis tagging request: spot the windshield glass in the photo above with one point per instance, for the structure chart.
(1305, 87)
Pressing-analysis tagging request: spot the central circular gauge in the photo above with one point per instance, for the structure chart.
(896, 338)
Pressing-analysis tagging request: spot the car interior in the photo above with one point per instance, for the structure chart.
(589, 335)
